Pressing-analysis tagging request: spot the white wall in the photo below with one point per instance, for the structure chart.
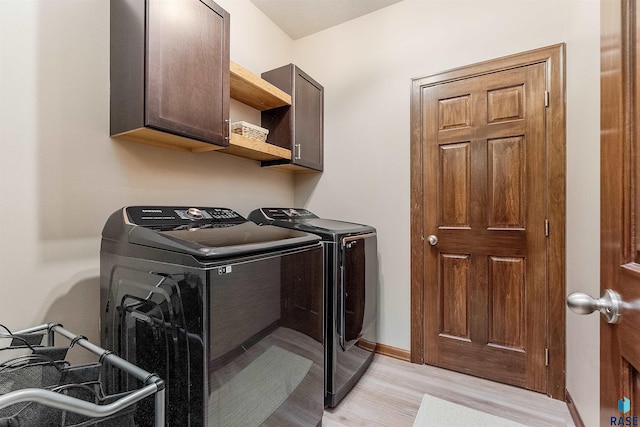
(366, 66)
(61, 174)
(583, 203)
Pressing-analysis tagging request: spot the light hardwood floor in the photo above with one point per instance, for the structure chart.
(390, 393)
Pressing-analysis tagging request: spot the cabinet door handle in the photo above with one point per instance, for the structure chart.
(299, 155)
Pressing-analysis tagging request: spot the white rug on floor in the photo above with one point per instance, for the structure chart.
(442, 413)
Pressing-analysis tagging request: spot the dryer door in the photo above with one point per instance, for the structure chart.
(357, 291)
(148, 330)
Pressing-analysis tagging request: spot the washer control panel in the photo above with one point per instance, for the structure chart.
(171, 217)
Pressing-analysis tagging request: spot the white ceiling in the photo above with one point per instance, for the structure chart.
(299, 18)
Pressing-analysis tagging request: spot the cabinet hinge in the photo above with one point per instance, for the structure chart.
(546, 227)
(546, 98)
(546, 357)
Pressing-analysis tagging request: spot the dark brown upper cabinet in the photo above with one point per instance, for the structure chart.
(170, 73)
(299, 127)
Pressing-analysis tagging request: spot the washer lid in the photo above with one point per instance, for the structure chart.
(239, 239)
(304, 220)
(332, 226)
(202, 232)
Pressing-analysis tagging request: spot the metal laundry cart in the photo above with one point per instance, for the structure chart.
(40, 386)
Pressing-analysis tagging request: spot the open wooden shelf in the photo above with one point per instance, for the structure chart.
(166, 140)
(250, 89)
(246, 88)
(253, 149)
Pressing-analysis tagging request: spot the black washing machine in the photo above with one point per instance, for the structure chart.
(351, 280)
(228, 313)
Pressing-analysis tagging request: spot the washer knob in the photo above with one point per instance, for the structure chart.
(194, 213)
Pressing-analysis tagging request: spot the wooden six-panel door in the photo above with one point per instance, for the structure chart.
(620, 208)
(485, 201)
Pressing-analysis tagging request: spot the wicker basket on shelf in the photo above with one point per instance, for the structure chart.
(250, 131)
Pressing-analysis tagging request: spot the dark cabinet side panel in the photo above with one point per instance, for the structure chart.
(279, 121)
(127, 65)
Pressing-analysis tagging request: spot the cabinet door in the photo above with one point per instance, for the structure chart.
(187, 69)
(308, 121)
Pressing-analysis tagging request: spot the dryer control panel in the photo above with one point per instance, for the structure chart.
(286, 213)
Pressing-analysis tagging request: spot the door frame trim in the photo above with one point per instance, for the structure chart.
(554, 57)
